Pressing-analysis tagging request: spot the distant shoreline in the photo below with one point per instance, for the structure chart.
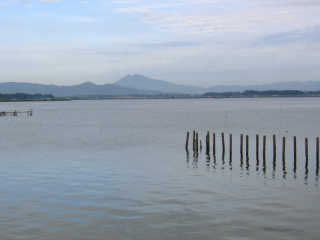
(151, 98)
(34, 100)
(23, 97)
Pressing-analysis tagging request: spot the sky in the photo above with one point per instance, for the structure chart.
(196, 42)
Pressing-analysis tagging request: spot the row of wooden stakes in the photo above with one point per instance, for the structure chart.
(197, 146)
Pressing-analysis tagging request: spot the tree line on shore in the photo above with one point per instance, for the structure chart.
(244, 94)
(25, 97)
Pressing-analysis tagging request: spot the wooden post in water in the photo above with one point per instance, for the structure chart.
(317, 153)
(264, 150)
(247, 147)
(187, 142)
(208, 143)
(200, 145)
(284, 156)
(257, 148)
(283, 148)
(214, 144)
(274, 141)
(230, 142)
(306, 153)
(241, 146)
(223, 144)
(294, 153)
(194, 141)
(197, 142)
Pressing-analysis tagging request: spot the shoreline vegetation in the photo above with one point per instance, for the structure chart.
(24, 97)
(244, 94)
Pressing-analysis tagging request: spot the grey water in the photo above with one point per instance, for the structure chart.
(117, 169)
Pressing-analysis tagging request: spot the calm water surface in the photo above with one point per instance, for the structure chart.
(118, 170)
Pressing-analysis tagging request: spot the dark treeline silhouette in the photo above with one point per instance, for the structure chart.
(267, 93)
(25, 97)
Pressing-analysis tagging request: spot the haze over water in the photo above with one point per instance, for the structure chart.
(117, 169)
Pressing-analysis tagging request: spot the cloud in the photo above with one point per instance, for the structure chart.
(26, 2)
(212, 17)
(169, 44)
(185, 41)
(307, 35)
(50, 1)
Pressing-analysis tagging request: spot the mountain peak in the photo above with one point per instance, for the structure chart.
(88, 83)
(135, 77)
(138, 81)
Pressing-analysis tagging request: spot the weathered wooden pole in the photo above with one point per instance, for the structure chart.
(197, 142)
(294, 153)
(247, 146)
(274, 142)
(230, 143)
(264, 150)
(317, 153)
(284, 155)
(214, 144)
(283, 148)
(187, 141)
(241, 146)
(200, 145)
(257, 148)
(223, 144)
(307, 153)
(194, 140)
(208, 143)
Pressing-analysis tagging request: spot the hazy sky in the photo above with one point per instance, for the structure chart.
(199, 42)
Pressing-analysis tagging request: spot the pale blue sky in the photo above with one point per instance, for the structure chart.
(199, 42)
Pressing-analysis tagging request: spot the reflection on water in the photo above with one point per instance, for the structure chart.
(210, 161)
(249, 165)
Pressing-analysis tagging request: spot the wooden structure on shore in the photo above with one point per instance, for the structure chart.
(16, 113)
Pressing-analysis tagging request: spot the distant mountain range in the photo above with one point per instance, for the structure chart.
(137, 85)
(84, 89)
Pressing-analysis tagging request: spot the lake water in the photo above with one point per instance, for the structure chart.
(117, 169)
